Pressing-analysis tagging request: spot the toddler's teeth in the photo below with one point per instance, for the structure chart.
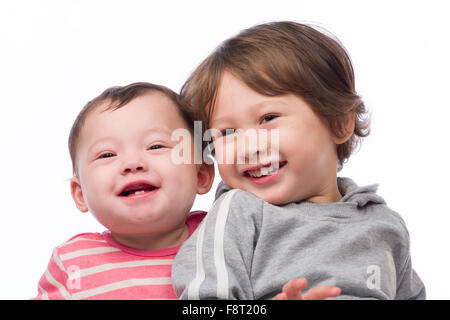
(139, 192)
(264, 171)
(256, 174)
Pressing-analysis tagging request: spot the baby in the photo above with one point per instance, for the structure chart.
(124, 174)
(280, 102)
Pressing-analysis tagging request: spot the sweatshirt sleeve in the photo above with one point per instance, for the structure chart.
(215, 262)
(406, 283)
(53, 283)
(410, 286)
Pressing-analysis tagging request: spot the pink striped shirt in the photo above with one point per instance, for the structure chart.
(94, 266)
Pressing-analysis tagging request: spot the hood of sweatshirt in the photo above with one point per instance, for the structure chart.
(349, 190)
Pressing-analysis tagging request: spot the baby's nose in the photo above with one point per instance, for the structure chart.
(133, 166)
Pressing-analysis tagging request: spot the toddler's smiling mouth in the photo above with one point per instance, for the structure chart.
(260, 171)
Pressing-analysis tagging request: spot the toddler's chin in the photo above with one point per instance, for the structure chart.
(271, 197)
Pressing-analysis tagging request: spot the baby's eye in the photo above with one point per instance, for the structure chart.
(268, 117)
(106, 155)
(155, 147)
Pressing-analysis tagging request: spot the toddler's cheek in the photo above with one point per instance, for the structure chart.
(224, 155)
(229, 174)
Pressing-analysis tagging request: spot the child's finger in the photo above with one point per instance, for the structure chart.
(294, 287)
(322, 292)
(281, 296)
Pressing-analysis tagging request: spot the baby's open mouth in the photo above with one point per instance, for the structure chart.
(136, 189)
(266, 170)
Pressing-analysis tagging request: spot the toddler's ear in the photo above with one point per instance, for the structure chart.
(77, 194)
(205, 178)
(348, 129)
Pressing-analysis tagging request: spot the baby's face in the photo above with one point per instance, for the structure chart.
(306, 163)
(128, 179)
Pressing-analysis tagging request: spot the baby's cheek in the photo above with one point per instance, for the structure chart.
(178, 175)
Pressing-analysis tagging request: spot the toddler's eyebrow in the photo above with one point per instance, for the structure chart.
(259, 106)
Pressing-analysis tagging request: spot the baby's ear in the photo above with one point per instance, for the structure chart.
(347, 129)
(205, 178)
(77, 194)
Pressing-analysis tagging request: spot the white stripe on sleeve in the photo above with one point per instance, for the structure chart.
(44, 294)
(194, 285)
(58, 285)
(219, 253)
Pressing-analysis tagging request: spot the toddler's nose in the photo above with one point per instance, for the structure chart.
(251, 144)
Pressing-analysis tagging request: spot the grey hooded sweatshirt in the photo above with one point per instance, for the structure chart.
(246, 248)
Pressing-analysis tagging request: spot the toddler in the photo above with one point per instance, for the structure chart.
(281, 212)
(121, 145)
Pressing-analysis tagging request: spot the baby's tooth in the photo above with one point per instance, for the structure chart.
(139, 192)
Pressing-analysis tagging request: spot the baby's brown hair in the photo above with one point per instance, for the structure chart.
(285, 57)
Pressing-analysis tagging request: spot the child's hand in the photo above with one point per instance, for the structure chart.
(292, 291)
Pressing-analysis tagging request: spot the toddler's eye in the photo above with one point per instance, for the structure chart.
(268, 117)
(227, 131)
(106, 155)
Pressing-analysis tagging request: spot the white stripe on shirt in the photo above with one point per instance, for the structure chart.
(120, 285)
(80, 239)
(128, 264)
(85, 252)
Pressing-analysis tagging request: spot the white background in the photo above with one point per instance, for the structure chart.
(57, 55)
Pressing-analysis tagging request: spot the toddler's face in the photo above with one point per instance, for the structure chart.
(127, 178)
(306, 163)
